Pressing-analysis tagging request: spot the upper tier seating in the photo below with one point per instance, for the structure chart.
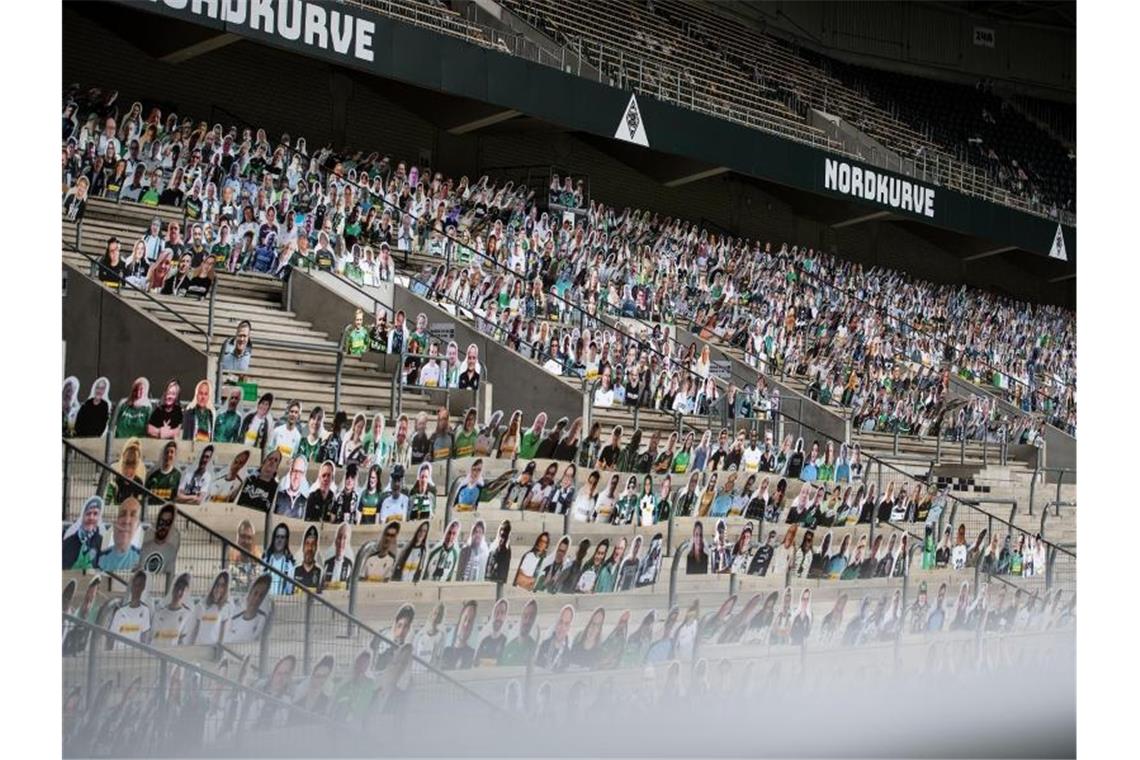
(691, 54)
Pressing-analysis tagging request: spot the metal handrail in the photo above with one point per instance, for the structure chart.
(946, 170)
(1057, 513)
(123, 282)
(311, 264)
(311, 597)
(337, 351)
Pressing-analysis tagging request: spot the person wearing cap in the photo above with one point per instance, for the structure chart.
(519, 488)
(394, 506)
(257, 424)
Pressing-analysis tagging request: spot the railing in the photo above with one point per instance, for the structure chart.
(1039, 470)
(940, 169)
(291, 345)
(303, 619)
(159, 693)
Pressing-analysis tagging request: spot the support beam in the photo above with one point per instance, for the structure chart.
(1062, 278)
(861, 219)
(696, 176)
(486, 121)
(993, 252)
(200, 48)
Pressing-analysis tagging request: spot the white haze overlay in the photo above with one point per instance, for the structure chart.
(1002, 696)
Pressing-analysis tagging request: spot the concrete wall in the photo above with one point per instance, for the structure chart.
(792, 403)
(329, 302)
(106, 336)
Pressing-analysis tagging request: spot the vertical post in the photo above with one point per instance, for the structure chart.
(288, 295)
(67, 480)
(938, 448)
(678, 554)
(447, 489)
(1033, 484)
(985, 452)
(263, 647)
(1060, 479)
(962, 448)
(895, 442)
(336, 386)
(307, 652)
(210, 317)
(94, 640)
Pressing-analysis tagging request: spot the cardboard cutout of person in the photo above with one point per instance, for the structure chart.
(132, 618)
(378, 567)
(531, 562)
(83, 540)
(650, 566)
(474, 556)
(460, 655)
(70, 404)
(160, 542)
(211, 613)
(126, 538)
(308, 573)
(279, 556)
(93, 416)
(337, 571)
(499, 555)
(171, 619)
(494, 639)
(248, 624)
(553, 652)
(520, 650)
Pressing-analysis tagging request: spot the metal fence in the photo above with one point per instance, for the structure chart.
(303, 624)
(122, 698)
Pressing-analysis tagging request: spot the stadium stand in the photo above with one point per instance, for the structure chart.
(325, 531)
(694, 56)
(1043, 383)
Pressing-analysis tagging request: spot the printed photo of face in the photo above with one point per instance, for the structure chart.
(529, 615)
(280, 539)
(309, 546)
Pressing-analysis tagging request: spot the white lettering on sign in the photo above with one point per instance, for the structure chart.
(292, 20)
(869, 185)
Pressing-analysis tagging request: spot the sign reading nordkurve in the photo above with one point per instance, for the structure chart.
(310, 23)
(892, 192)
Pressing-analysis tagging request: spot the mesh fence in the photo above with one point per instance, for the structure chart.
(122, 698)
(292, 621)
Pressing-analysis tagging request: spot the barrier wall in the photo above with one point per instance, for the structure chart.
(108, 337)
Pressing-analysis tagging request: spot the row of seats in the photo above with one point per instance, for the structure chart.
(693, 55)
(506, 250)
